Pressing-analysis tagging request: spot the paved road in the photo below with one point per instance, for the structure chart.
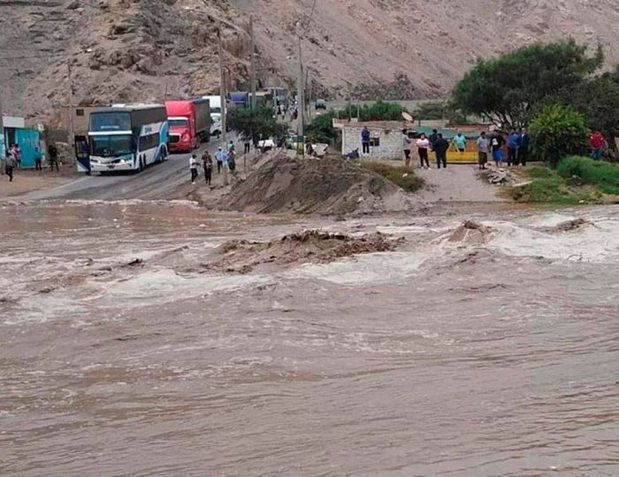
(159, 181)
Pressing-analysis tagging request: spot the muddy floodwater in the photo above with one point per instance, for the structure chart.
(488, 351)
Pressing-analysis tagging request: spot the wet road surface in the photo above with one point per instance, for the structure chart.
(492, 358)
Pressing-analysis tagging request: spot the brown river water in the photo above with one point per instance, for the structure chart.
(490, 357)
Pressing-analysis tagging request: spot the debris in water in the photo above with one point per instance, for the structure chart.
(242, 256)
(469, 233)
(567, 226)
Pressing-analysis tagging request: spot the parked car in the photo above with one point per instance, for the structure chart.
(266, 145)
(320, 104)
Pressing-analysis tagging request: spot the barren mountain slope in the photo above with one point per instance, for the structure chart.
(141, 50)
(349, 42)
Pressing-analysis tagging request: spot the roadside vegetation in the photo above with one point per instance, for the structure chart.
(576, 180)
(403, 177)
(255, 124)
(558, 90)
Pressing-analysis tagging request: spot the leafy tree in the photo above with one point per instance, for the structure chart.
(559, 132)
(509, 89)
(255, 124)
(598, 99)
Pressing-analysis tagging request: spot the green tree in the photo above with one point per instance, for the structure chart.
(598, 99)
(559, 132)
(510, 89)
(256, 123)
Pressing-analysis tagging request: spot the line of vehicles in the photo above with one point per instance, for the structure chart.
(130, 137)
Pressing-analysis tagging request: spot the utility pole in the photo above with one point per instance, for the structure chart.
(300, 99)
(71, 140)
(2, 138)
(252, 61)
(2, 149)
(222, 99)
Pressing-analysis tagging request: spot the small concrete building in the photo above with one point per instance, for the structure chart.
(385, 138)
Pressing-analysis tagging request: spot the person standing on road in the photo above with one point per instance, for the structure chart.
(482, 150)
(219, 157)
(193, 167)
(9, 164)
(423, 144)
(365, 140)
(246, 145)
(37, 159)
(440, 148)
(459, 141)
(232, 160)
(523, 148)
(496, 144)
(17, 155)
(513, 144)
(52, 153)
(406, 146)
(207, 163)
(596, 143)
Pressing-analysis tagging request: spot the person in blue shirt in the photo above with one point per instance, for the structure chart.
(365, 140)
(459, 141)
(523, 148)
(220, 157)
(513, 144)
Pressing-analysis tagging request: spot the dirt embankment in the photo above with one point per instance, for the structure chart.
(330, 186)
(312, 246)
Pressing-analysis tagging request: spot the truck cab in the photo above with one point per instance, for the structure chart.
(181, 137)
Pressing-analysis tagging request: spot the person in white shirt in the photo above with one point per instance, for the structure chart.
(193, 167)
(423, 144)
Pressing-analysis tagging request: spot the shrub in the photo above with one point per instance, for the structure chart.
(553, 190)
(559, 132)
(256, 123)
(402, 176)
(602, 174)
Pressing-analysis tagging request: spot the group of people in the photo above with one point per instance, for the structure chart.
(13, 158)
(436, 143)
(225, 159)
(516, 143)
(487, 144)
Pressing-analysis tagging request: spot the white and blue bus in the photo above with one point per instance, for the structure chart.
(127, 138)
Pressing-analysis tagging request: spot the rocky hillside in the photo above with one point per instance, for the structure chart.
(146, 50)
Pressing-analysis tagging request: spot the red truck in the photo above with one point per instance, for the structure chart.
(189, 122)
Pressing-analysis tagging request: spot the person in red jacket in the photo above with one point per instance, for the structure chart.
(596, 143)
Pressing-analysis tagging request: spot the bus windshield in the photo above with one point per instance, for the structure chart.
(113, 121)
(177, 123)
(107, 146)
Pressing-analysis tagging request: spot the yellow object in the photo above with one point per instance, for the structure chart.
(466, 157)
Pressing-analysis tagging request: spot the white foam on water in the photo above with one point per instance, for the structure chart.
(592, 243)
(371, 268)
(40, 308)
(163, 286)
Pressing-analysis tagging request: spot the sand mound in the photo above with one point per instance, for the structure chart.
(328, 186)
(469, 233)
(241, 256)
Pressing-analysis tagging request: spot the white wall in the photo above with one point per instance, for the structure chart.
(390, 142)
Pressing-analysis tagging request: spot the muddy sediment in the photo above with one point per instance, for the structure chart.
(311, 246)
(469, 232)
(329, 186)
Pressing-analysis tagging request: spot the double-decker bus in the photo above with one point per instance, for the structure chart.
(127, 137)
